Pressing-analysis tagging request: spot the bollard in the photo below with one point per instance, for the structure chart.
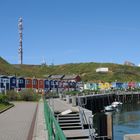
(73, 100)
(60, 96)
(67, 99)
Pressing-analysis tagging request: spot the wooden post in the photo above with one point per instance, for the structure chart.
(109, 126)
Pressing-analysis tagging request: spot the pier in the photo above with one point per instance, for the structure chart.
(96, 103)
(70, 122)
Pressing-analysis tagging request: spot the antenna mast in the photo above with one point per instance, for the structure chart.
(20, 51)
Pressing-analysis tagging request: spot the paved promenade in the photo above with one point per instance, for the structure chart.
(15, 123)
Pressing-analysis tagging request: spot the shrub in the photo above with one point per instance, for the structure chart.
(51, 95)
(71, 92)
(13, 95)
(3, 99)
(29, 95)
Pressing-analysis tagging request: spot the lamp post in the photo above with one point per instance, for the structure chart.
(0, 84)
(5, 87)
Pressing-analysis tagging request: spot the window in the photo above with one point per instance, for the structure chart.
(40, 82)
(34, 82)
(4, 80)
(20, 81)
(14, 81)
(27, 81)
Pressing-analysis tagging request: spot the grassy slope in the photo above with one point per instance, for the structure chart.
(8, 69)
(85, 70)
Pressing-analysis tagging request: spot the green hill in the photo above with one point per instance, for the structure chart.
(86, 70)
(9, 69)
(6, 68)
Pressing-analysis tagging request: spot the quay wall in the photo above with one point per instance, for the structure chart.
(96, 102)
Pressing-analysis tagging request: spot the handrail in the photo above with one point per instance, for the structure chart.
(82, 113)
(82, 103)
(54, 130)
(92, 134)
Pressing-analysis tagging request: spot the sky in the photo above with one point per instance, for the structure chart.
(71, 31)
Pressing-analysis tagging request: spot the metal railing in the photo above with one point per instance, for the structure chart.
(82, 103)
(54, 130)
(92, 132)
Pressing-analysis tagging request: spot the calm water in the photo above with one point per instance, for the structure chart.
(126, 121)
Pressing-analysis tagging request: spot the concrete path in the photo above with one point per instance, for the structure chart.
(58, 105)
(15, 123)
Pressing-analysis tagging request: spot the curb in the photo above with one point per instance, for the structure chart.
(7, 108)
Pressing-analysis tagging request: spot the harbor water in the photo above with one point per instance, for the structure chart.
(126, 120)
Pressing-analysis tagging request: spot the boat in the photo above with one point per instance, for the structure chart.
(116, 104)
(108, 108)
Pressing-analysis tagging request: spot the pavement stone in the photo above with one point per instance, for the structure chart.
(15, 122)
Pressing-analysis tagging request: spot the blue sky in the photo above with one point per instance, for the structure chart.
(71, 31)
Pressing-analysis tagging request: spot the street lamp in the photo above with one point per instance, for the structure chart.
(5, 87)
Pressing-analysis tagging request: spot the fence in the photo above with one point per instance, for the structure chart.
(54, 130)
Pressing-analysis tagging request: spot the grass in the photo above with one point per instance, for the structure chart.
(4, 106)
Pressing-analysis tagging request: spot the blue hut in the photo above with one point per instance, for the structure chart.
(46, 84)
(4, 83)
(51, 84)
(12, 80)
(70, 84)
(55, 84)
(20, 83)
(117, 85)
(125, 85)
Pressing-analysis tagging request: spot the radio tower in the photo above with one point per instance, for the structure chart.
(20, 51)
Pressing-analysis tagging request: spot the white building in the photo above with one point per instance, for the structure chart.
(102, 70)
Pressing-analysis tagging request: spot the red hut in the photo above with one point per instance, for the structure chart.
(72, 78)
(35, 83)
(28, 83)
(131, 84)
(40, 84)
